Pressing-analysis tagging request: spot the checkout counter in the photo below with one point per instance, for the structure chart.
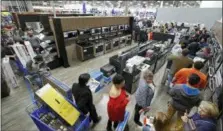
(131, 62)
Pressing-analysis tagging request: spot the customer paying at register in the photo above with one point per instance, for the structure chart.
(182, 75)
(118, 100)
(144, 94)
(83, 98)
(184, 97)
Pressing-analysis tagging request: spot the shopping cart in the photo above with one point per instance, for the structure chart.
(37, 109)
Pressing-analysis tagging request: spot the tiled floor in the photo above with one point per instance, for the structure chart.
(14, 116)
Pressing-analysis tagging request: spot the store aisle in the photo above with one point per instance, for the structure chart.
(15, 117)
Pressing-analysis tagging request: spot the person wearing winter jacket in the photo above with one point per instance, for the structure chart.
(84, 99)
(184, 97)
(204, 119)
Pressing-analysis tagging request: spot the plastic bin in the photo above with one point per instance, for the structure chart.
(107, 79)
(122, 125)
(97, 75)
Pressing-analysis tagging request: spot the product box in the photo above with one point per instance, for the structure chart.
(59, 104)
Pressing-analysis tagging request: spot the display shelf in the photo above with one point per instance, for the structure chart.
(98, 28)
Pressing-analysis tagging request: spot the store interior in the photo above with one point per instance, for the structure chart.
(88, 65)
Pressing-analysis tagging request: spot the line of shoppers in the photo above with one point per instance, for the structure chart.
(184, 95)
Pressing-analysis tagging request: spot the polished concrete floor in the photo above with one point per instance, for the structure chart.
(15, 117)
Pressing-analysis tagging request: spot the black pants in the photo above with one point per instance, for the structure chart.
(137, 115)
(93, 114)
(109, 124)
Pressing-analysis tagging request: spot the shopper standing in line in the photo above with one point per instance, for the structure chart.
(118, 100)
(204, 119)
(83, 98)
(193, 48)
(184, 97)
(182, 75)
(179, 62)
(144, 94)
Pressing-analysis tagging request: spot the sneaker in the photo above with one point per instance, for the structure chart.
(139, 123)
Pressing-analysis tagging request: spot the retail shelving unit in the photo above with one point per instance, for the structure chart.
(21, 18)
(94, 36)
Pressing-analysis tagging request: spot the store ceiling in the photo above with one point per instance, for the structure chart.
(120, 4)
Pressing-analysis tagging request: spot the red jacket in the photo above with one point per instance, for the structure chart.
(116, 107)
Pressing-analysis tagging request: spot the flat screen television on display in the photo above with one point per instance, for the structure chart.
(96, 31)
(105, 29)
(114, 28)
(121, 27)
(84, 31)
(73, 33)
(70, 34)
(126, 27)
(65, 35)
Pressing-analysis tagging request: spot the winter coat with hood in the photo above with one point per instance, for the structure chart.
(202, 124)
(184, 97)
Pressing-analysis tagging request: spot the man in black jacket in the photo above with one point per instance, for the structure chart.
(83, 97)
(193, 48)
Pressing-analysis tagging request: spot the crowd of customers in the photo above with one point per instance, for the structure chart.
(188, 82)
